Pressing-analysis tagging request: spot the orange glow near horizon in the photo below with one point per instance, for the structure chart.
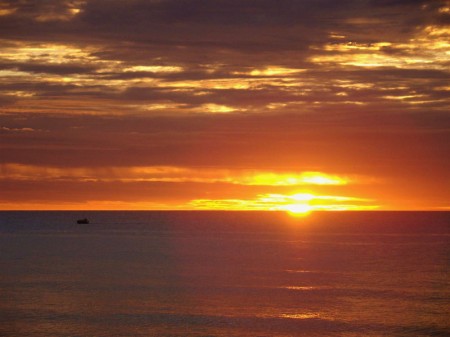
(299, 203)
(217, 179)
(296, 193)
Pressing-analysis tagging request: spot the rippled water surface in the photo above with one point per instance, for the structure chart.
(224, 274)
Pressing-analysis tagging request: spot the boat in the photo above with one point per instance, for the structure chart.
(83, 221)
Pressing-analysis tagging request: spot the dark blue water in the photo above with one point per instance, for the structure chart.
(224, 274)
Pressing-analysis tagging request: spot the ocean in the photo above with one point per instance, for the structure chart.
(224, 274)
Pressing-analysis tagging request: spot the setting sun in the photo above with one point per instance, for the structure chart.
(301, 205)
(298, 209)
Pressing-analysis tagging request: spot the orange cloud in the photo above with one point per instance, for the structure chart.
(173, 174)
(428, 49)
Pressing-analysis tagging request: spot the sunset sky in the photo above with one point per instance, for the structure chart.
(225, 104)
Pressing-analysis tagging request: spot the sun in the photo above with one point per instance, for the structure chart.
(299, 209)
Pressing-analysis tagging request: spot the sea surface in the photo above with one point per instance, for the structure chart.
(224, 274)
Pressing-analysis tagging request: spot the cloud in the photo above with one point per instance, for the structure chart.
(171, 174)
(252, 56)
(42, 11)
(47, 68)
(6, 129)
(347, 142)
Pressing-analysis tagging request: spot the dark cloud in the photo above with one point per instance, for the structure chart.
(219, 12)
(255, 26)
(6, 99)
(403, 3)
(349, 138)
(57, 69)
(43, 9)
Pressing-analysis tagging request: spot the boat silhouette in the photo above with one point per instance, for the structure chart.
(83, 221)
